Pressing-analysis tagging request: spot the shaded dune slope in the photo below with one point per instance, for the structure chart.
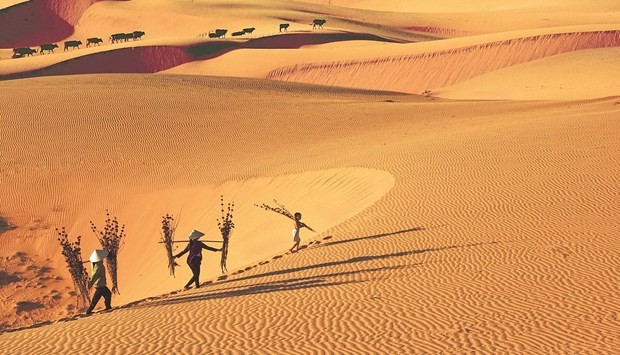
(34, 22)
(415, 73)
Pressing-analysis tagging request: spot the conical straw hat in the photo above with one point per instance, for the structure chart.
(98, 255)
(195, 235)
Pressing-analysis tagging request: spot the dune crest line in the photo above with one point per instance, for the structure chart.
(419, 72)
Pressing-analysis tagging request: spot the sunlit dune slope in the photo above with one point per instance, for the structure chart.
(455, 226)
(571, 76)
(427, 71)
(457, 6)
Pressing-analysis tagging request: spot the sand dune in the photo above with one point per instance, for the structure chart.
(428, 71)
(34, 22)
(493, 238)
(571, 76)
(110, 186)
(150, 56)
(456, 6)
(443, 226)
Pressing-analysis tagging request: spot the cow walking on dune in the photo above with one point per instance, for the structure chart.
(137, 35)
(318, 23)
(117, 37)
(218, 33)
(123, 37)
(94, 40)
(284, 27)
(49, 47)
(72, 44)
(23, 52)
(249, 30)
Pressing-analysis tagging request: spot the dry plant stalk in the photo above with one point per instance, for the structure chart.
(111, 239)
(225, 225)
(73, 256)
(280, 209)
(168, 227)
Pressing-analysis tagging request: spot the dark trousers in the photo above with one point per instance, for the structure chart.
(107, 297)
(195, 266)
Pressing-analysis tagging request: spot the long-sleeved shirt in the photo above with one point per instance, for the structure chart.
(98, 279)
(195, 250)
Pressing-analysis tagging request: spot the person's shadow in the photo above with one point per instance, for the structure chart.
(323, 280)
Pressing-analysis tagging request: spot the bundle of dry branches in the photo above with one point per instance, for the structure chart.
(280, 209)
(111, 239)
(168, 227)
(73, 256)
(225, 225)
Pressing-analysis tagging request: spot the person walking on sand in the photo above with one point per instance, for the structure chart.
(98, 281)
(194, 259)
(298, 225)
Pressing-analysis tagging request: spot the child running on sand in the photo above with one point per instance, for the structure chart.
(194, 259)
(98, 280)
(298, 225)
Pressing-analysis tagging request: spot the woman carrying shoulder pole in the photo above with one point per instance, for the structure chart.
(98, 281)
(194, 259)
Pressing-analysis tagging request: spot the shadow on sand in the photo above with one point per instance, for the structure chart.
(268, 287)
(5, 225)
(376, 236)
(311, 281)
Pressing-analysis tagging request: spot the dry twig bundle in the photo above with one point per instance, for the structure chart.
(280, 209)
(73, 256)
(225, 225)
(111, 239)
(168, 227)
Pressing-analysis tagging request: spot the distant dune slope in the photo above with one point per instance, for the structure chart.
(427, 71)
(456, 6)
(571, 76)
(154, 56)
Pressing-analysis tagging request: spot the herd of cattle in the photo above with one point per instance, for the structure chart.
(221, 33)
(136, 35)
(49, 47)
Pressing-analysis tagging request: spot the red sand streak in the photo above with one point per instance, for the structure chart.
(415, 73)
(438, 30)
(124, 60)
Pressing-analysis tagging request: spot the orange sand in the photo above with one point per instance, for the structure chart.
(445, 224)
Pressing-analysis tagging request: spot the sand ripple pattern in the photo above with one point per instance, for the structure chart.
(499, 235)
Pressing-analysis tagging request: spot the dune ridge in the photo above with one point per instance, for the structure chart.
(155, 56)
(427, 71)
(439, 30)
(577, 75)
